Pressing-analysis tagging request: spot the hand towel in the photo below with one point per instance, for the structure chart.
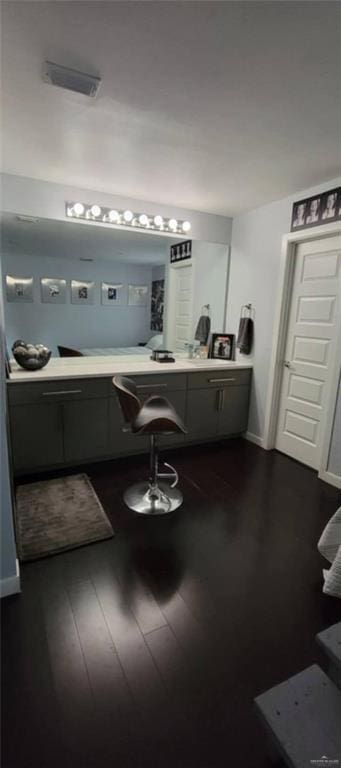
(245, 335)
(203, 329)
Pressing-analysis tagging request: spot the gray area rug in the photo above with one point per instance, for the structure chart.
(55, 515)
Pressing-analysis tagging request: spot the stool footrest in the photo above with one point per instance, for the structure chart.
(173, 473)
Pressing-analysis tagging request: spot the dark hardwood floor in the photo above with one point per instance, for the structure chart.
(148, 649)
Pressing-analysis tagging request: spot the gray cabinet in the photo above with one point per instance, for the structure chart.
(217, 404)
(65, 422)
(202, 413)
(37, 435)
(233, 410)
(86, 429)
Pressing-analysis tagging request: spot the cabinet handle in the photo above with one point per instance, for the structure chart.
(218, 399)
(223, 399)
(63, 392)
(151, 386)
(211, 381)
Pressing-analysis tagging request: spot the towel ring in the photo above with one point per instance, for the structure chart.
(247, 310)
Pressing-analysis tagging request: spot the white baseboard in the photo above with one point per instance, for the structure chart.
(254, 439)
(11, 585)
(330, 478)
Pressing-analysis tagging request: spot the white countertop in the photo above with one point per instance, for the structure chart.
(82, 367)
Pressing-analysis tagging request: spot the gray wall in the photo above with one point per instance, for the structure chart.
(70, 324)
(159, 272)
(254, 274)
(8, 552)
(45, 199)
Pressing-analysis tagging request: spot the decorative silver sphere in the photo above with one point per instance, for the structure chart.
(32, 357)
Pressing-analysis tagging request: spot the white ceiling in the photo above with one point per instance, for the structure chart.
(74, 240)
(214, 106)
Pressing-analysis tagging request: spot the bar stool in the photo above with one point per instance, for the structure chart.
(154, 417)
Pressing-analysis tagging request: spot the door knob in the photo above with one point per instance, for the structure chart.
(287, 363)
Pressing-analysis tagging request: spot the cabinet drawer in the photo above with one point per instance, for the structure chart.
(158, 384)
(54, 391)
(219, 379)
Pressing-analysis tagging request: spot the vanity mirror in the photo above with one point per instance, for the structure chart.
(83, 289)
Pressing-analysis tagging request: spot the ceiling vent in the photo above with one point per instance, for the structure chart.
(71, 79)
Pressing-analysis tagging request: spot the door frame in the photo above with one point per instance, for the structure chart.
(283, 305)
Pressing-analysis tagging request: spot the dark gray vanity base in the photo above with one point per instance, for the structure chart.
(55, 424)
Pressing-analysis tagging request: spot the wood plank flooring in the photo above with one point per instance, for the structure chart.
(148, 649)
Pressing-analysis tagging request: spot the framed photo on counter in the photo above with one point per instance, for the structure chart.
(222, 346)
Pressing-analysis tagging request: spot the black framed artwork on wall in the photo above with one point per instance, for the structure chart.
(319, 209)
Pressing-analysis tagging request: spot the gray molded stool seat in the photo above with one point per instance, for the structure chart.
(154, 417)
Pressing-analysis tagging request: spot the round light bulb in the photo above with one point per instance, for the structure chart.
(143, 219)
(128, 216)
(95, 210)
(186, 226)
(114, 215)
(78, 209)
(158, 221)
(173, 224)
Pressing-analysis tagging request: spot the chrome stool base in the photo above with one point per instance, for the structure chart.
(147, 499)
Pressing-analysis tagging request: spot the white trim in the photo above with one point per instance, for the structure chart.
(289, 243)
(254, 439)
(11, 585)
(330, 478)
(331, 409)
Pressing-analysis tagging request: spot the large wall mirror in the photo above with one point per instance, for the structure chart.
(81, 288)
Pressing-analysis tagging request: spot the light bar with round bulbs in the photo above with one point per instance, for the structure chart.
(126, 218)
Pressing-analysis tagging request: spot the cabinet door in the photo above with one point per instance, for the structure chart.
(36, 435)
(234, 409)
(86, 429)
(202, 413)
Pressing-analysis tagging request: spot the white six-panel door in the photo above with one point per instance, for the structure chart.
(310, 346)
(181, 300)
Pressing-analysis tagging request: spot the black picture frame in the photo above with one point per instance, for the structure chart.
(322, 208)
(222, 346)
(181, 251)
(157, 303)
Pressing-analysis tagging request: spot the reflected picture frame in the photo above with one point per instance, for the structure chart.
(19, 289)
(111, 294)
(82, 292)
(53, 290)
(137, 295)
